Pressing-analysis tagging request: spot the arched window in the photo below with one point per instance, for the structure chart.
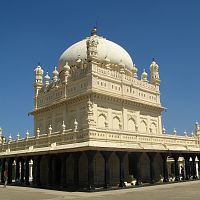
(101, 121)
(131, 125)
(143, 127)
(116, 123)
(153, 128)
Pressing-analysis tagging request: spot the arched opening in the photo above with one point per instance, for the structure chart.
(143, 127)
(131, 125)
(116, 123)
(101, 121)
(153, 128)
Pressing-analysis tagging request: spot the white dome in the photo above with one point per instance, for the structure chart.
(105, 48)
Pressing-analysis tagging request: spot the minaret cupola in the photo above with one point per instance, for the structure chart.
(38, 79)
(46, 79)
(154, 68)
(144, 76)
(55, 75)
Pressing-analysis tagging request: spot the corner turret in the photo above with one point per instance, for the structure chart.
(197, 129)
(38, 79)
(155, 80)
(92, 43)
(144, 76)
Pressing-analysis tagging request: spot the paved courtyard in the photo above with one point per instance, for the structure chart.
(186, 190)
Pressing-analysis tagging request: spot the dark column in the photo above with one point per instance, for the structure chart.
(177, 176)
(1, 164)
(22, 170)
(136, 168)
(17, 170)
(36, 170)
(27, 171)
(50, 175)
(90, 156)
(152, 172)
(76, 157)
(106, 156)
(187, 166)
(194, 170)
(121, 156)
(3, 169)
(165, 169)
(64, 157)
(198, 165)
(10, 161)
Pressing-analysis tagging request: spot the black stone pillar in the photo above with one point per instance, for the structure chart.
(1, 165)
(152, 170)
(194, 170)
(198, 166)
(36, 170)
(187, 166)
(27, 171)
(165, 169)
(90, 156)
(22, 170)
(106, 155)
(17, 172)
(121, 156)
(64, 157)
(177, 176)
(76, 156)
(10, 162)
(49, 170)
(136, 168)
(3, 169)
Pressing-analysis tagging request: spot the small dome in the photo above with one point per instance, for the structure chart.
(55, 72)
(38, 70)
(106, 49)
(47, 77)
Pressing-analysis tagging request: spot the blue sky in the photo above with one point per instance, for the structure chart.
(39, 31)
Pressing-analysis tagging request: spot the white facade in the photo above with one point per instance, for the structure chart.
(96, 100)
(97, 92)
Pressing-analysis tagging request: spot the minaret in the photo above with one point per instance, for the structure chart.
(144, 76)
(134, 71)
(47, 78)
(92, 43)
(38, 79)
(55, 75)
(155, 80)
(197, 129)
(64, 75)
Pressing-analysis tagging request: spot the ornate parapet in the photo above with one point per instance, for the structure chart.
(98, 138)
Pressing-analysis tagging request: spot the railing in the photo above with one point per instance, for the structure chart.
(144, 141)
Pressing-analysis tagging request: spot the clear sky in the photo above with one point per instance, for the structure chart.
(40, 30)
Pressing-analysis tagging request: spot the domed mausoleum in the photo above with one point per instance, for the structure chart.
(97, 124)
(107, 51)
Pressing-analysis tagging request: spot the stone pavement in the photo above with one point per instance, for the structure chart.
(176, 191)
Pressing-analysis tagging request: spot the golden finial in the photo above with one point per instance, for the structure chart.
(94, 31)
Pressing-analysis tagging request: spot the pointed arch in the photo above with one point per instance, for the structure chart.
(153, 128)
(102, 120)
(116, 122)
(143, 126)
(131, 125)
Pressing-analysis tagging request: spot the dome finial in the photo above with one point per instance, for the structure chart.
(94, 31)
